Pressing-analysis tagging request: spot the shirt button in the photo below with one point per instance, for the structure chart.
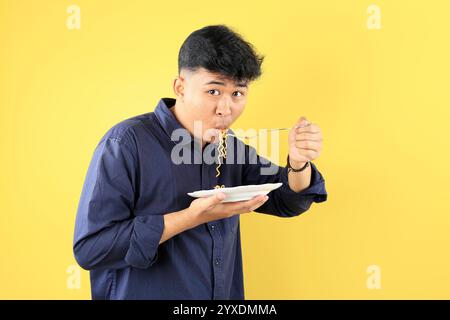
(217, 261)
(213, 227)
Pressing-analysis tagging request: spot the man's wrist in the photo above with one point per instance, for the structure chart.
(189, 217)
(297, 166)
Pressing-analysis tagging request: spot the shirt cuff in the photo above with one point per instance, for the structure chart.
(316, 189)
(144, 242)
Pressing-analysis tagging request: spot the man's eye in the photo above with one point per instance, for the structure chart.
(214, 92)
(238, 94)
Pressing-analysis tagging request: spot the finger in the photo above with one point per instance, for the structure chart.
(252, 202)
(313, 128)
(259, 204)
(255, 205)
(247, 206)
(309, 145)
(214, 200)
(308, 136)
(302, 122)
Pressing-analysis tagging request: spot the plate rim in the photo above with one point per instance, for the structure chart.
(275, 186)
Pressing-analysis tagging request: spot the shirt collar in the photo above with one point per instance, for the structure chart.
(167, 119)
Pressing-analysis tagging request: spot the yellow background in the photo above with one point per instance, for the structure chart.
(381, 98)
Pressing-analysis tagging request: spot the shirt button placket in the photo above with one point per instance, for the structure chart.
(217, 240)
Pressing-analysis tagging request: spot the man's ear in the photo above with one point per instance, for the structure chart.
(178, 87)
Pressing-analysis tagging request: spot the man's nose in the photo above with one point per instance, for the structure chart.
(224, 108)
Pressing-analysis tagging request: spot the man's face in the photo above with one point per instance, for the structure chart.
(211, 98)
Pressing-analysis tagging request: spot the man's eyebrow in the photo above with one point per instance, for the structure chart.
(215, 82)
(243, 85)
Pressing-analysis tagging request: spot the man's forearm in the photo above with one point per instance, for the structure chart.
(299, 181)
(177, 222)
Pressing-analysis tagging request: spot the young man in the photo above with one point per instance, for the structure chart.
(138, 232)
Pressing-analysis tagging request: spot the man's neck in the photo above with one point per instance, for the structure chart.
(179, 112)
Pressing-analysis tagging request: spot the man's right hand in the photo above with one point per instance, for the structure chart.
(208, 209)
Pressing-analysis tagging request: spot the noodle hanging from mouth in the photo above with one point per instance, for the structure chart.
(222, 150)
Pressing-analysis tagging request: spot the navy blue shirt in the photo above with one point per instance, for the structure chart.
(131, 183)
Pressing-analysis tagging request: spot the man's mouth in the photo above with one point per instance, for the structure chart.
(222, 124)
(221, 128)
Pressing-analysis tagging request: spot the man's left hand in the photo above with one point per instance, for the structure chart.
(305, 143)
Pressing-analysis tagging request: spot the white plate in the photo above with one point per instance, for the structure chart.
(240, 193)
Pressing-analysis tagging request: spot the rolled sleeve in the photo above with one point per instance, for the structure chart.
(283, 202)
(144, 242)
(316, 189)
(299, 202)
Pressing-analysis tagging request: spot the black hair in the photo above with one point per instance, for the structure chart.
(220, 50)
